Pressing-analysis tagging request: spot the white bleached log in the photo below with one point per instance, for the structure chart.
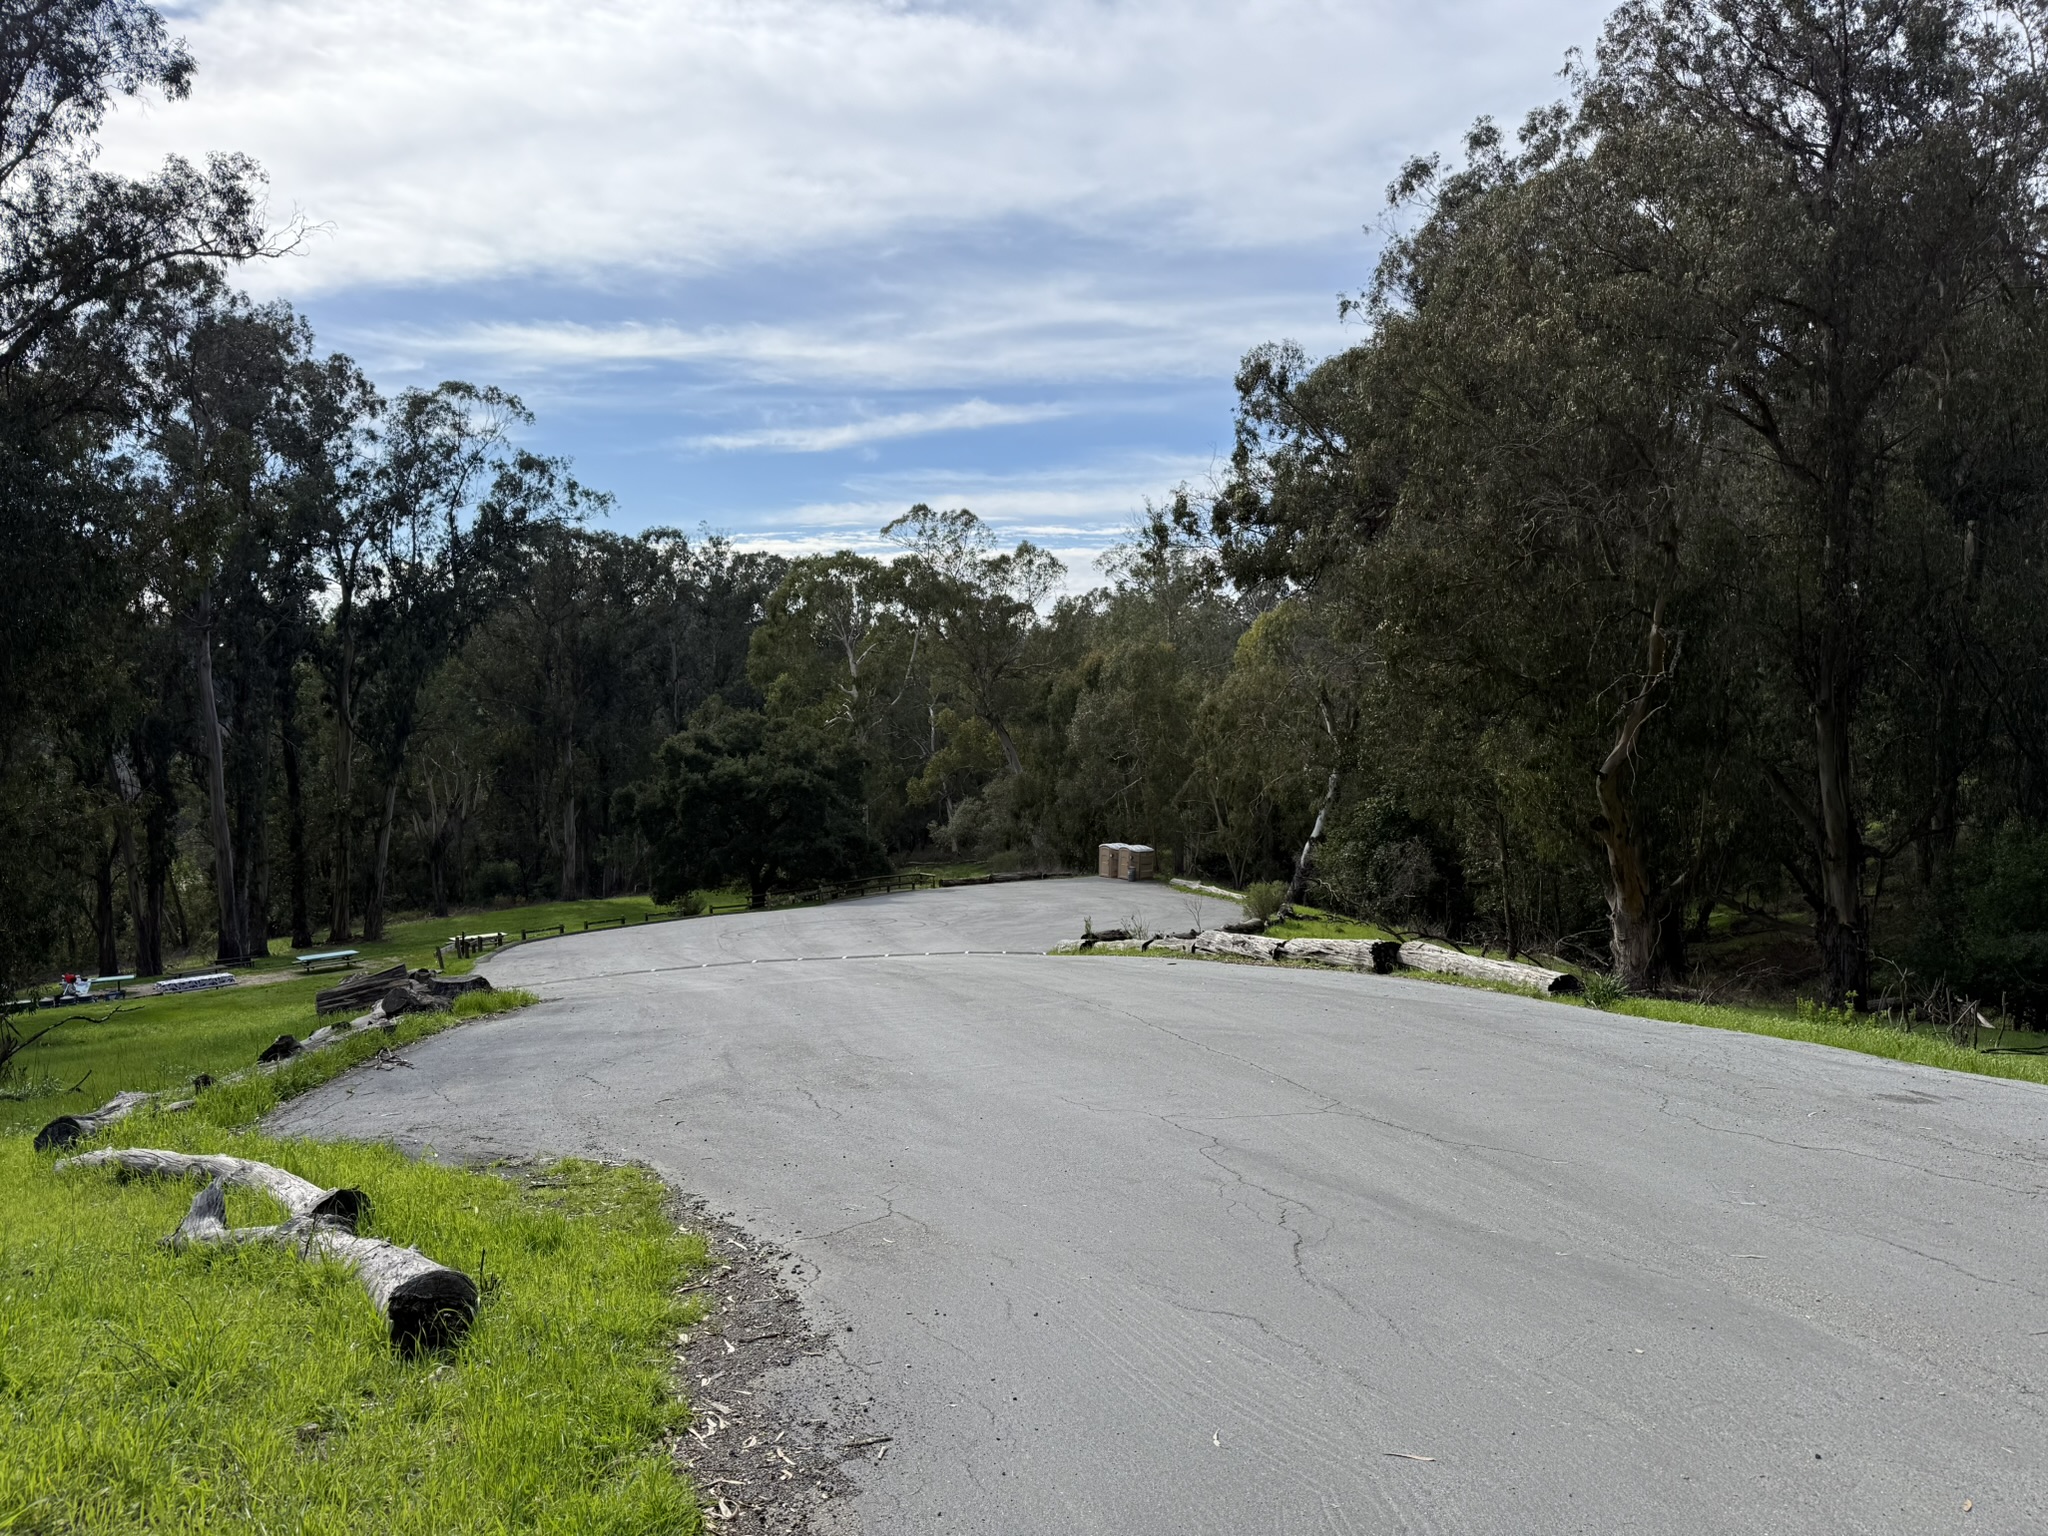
(1245, 946)
(1449, 962)
(426, 1305)
(302, 1197)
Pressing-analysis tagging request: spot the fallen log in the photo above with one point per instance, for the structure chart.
(425, 1305)
(346, 1208)
(66, 1130)
(358, 992)
(1096, 936)
(1377, 955)
(1449, 962)
(1245, 946)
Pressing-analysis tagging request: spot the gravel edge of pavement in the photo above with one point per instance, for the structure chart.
(778, 1415)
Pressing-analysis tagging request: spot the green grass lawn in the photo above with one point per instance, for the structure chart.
(413, 940)
(248, 1390)
(251, 1391)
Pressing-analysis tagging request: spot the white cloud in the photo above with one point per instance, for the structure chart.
(470, 138)
(1072, 507)
(967, 416)
(969, 329)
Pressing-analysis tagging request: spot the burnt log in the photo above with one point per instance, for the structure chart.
(345, 1208)
(359, 992)
(425, 1305)
(1106, 936)
(411, 997)
(67, 1130)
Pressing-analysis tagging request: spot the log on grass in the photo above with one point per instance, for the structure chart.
(1377, 955)
(346, 1208)
(67, 1130)
(426, 1305)
(359, 992)
(1449, 962)
(1245, 946)
(1349, 954)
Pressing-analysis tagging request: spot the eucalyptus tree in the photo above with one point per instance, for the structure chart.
(219, 551)
(82, 254)
(976, 609)
(454, 510)
(1832, 198)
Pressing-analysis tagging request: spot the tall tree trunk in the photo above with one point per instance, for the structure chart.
(232, 946)
(159, 831)
(571, 862)
(342, 920)
(1507, 902)
(251, 783)
(437, 873)
(1844, 919)
(1013, 761)
(295, 829)
(129, 787)
(1634, 908)
(109, 958)
(373, 915)
(148, 955)
(1304, 866)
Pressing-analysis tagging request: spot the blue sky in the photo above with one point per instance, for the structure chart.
(783, 267)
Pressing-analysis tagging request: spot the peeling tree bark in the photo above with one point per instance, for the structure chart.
(233, 945)
(1634, 908)
(1304, 866)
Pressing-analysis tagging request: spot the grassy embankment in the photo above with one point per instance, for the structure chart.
(1815, 1026)
(243, 1391)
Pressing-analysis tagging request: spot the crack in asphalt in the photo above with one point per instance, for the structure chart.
(2024, 1191)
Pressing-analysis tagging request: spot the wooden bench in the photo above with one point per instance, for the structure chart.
(205, 983)
(339, 959)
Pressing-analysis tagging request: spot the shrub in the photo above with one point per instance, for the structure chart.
(1603, 989)
(1386, 864)
(1262, 899)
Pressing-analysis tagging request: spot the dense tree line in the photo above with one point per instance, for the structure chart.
(1671, 543)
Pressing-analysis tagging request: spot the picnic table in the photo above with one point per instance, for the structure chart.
(327, 957)
(205, 983)
(467, 944)
(119, 983)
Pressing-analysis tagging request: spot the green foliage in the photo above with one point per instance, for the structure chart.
(1385, 863)
(761, 801)
(1262, 899)
(1986, 935)
(1821, 1016)
(1603, 989)
(251, 1390)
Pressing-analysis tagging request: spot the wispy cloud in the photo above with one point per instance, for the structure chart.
(967, 416)
(465, 138)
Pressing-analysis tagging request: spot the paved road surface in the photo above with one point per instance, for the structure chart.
(1146, 1247)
